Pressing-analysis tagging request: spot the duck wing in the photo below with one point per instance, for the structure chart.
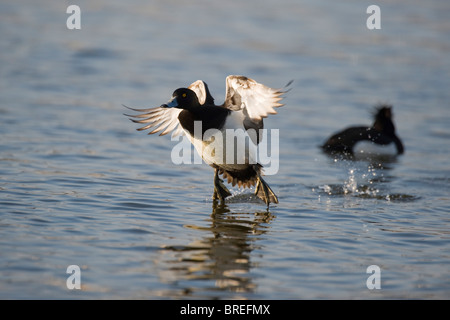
(255, 100)
(163, 120)
(201, 90)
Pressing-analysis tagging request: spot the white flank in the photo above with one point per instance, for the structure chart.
(230, 147)
(370, 148)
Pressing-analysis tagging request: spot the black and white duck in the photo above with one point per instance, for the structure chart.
(246, 103)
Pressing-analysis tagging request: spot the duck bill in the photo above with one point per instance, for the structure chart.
(171, 103)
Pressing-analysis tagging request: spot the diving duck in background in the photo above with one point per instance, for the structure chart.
(246, 104)
(379, 139)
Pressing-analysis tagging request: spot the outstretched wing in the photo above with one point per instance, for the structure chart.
(163, 120)
(256, 99)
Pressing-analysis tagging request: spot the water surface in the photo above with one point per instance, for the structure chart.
(79, 186)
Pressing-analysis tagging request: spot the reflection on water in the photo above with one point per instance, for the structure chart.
(221, 255)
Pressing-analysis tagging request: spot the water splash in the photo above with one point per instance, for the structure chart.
(359, 182)
(368, 182)
(350, 185)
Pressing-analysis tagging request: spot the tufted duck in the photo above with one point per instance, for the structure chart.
(246, 104)
(379, 139)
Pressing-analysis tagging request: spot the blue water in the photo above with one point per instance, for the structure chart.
(79, 186)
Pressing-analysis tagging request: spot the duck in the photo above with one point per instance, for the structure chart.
(192, 112)
(378, 139)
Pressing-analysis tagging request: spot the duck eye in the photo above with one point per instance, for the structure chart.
(184, 95)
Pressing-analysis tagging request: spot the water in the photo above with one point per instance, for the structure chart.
(79, 186)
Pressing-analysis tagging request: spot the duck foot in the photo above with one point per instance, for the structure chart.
(220, 191)
(264, 192)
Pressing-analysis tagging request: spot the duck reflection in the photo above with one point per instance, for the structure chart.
(221, 256)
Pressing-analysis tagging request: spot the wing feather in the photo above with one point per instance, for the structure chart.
(257, 99)
(163, 120)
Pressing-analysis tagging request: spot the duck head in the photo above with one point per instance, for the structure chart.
(383, 120)
(182, 98)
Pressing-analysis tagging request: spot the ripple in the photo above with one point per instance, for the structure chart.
(133, 231)
(363, 192)
(96, 53)
(141, 205)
